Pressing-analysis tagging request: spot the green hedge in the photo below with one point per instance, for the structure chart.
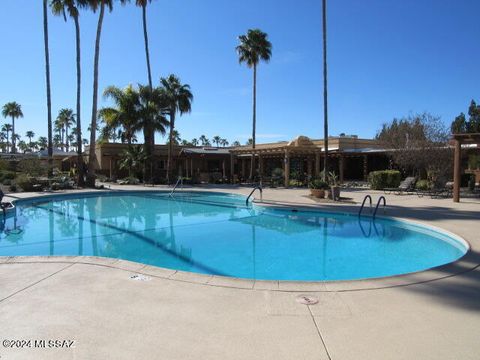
(384, 179)
(422, 185)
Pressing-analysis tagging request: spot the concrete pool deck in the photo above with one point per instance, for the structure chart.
(165, 314)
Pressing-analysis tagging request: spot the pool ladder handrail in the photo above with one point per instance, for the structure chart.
(378, 204)
(363, 204)
(179, 182)
(251, 193)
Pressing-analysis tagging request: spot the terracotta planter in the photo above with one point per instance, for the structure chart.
(318, 193)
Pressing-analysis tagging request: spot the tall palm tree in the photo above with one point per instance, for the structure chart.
(49, 97)
(14, 110)
(253, 48)
(30, 134)
(100, 6)
(7, 128)
(194, 142)
(216, 140)
(224, 142)
(178, 99)
(62, 7)
(325, 89)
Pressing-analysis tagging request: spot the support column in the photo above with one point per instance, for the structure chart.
(365, 168)
(457, 171)
(232, 168)
(317, 164)
(309, 167)
(260, 165)
(186, 167)
(191, 167)
(287, 168)
(243, 168)
(341, 170)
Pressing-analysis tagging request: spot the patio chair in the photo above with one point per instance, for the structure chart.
(407, 185)
(442, 190)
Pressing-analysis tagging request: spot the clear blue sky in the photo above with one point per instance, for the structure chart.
(387, 58)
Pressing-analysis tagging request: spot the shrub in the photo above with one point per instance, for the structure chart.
(422, 185)
(295, 183)
(473, 161)
(384, 179)
(13, 188)
(318, 184)
(32, 167)
(6, 175)
(25, 182)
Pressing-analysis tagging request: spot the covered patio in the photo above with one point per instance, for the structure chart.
(459, 140)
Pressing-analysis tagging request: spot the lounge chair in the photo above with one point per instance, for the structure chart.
(407, 185)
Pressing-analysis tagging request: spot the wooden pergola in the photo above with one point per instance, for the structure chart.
(459, 140)
(299, 147)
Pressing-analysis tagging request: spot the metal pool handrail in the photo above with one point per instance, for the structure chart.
(378, 204)
(179, 181)
(255, 188)
(363, 204)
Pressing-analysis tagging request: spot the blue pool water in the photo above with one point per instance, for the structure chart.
(217, 234)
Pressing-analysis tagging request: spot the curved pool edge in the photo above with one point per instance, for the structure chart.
(466, 263)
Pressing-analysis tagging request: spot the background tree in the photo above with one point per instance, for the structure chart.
(224, 142)
(66, 118)
(419, 145)
(30, 134)
(7, 129)
(216, 140)
(194, 142)
(178, 99)
(236, 143)
(204, 140)
(42, 142)
(13, 110)
(253, 48)
(249, 142)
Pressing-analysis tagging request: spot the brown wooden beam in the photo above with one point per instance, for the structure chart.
(457, 171)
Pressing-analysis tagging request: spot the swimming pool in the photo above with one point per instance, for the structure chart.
(215, 233)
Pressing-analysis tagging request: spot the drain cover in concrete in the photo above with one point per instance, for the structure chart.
(139, 277)
(307, 300)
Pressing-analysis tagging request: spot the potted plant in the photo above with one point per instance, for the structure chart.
(317, 188)
(334, 186)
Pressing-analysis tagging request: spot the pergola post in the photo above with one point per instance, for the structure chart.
(287, 168)
(341, 170)
(365, 168)
(309, 167)
(317, 164)
(260, 165)
(232, 168)
(243, 168)
(457, 171)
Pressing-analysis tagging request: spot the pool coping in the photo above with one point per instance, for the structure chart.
(465, 264)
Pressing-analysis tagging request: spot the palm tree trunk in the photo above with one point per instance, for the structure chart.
(49, 101)
(252, 166)
(14, 150)
(66, 138)
(170, 145)
(325, 90)
(149, 133)
(80, 172)
(147, 52)
(93, 126)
